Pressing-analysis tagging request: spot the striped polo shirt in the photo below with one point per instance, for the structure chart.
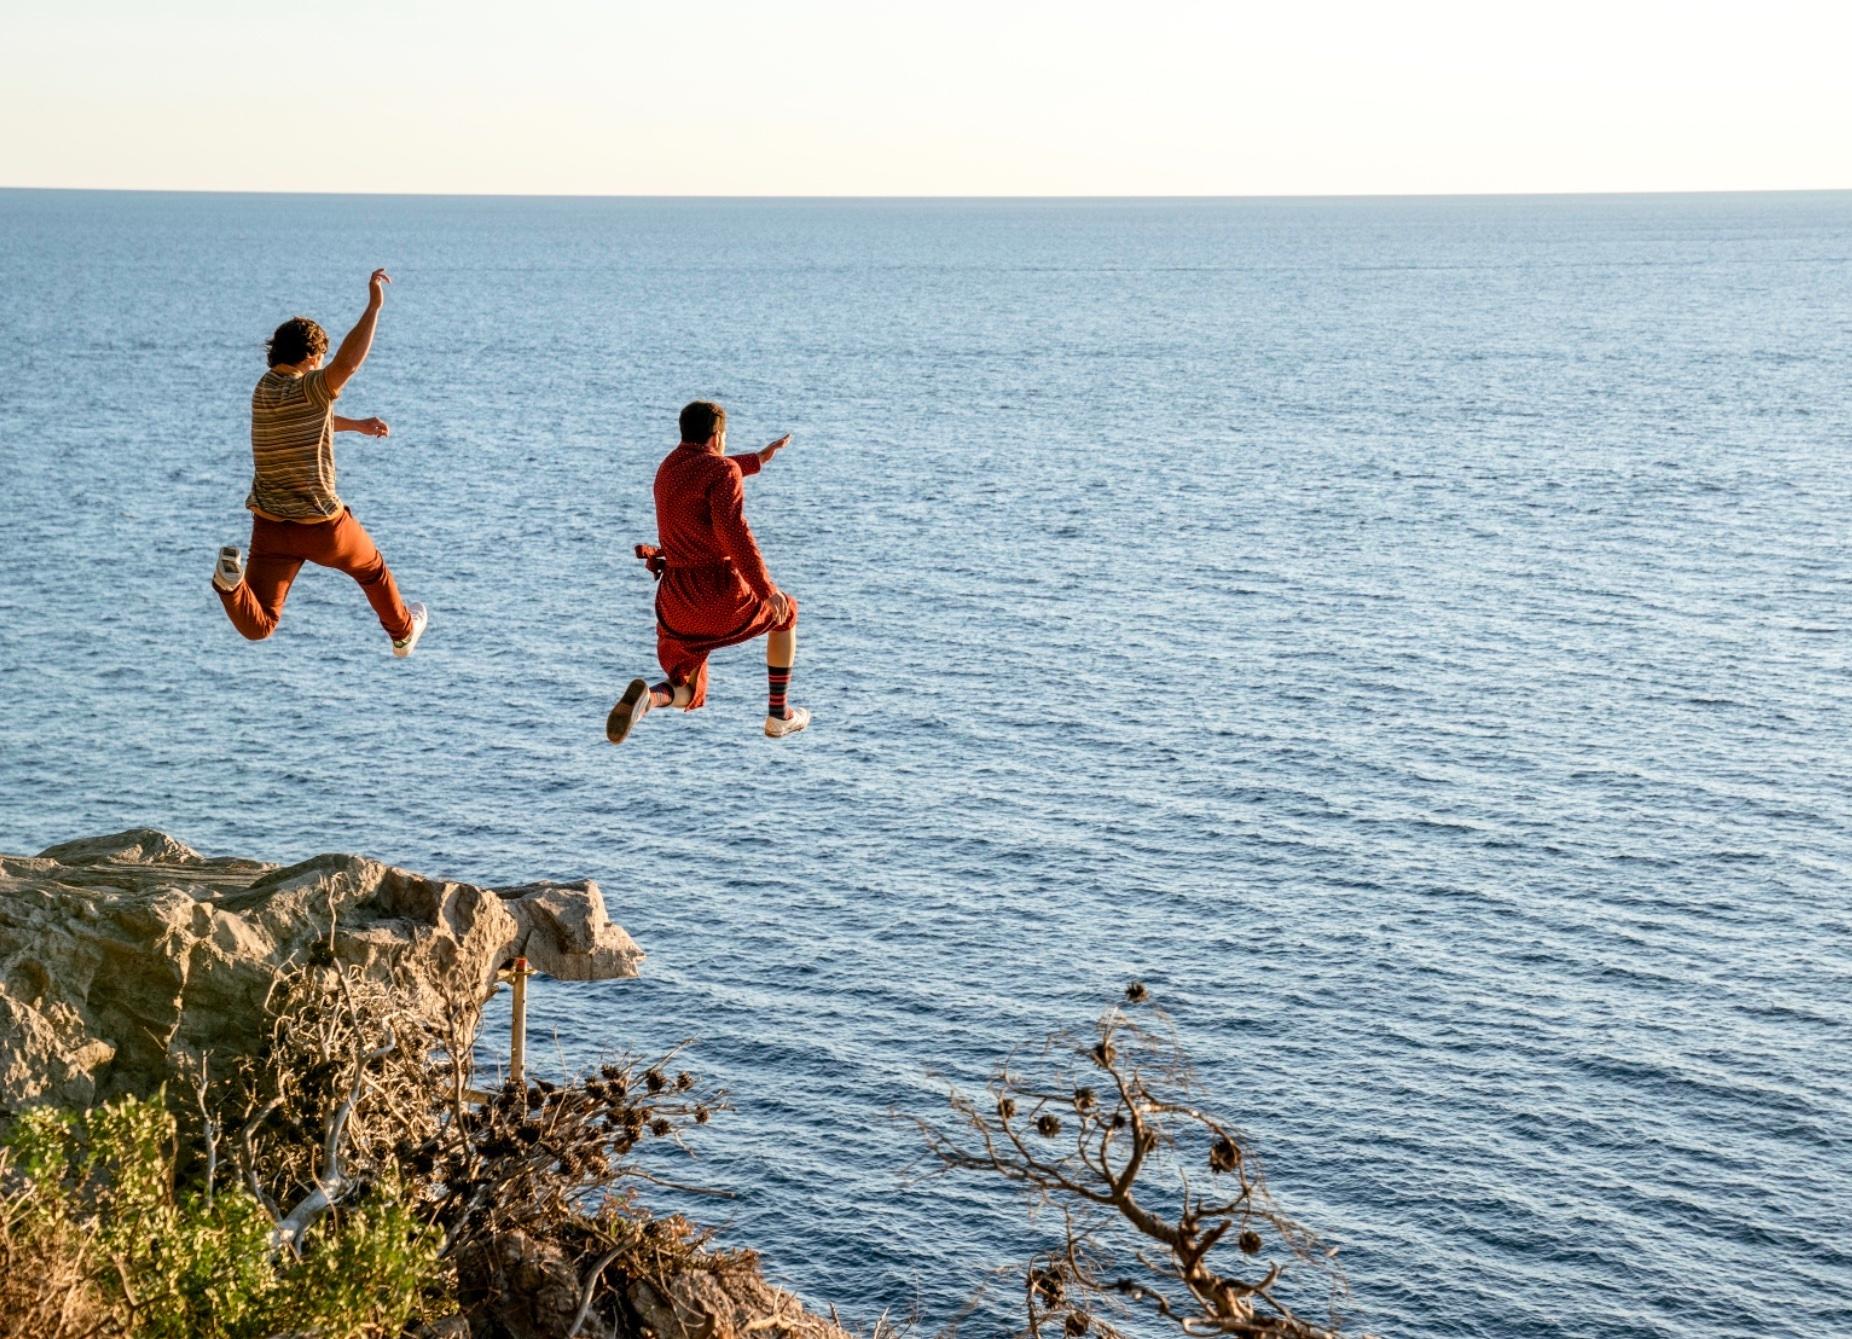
(292, 448)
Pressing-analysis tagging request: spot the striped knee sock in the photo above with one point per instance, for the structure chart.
(779, 676)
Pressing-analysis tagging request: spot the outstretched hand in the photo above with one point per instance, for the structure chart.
(373, 427)
(767, 452)
(376, 288)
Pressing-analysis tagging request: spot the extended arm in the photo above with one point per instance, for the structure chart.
(751, 462)
(372, 427)
(359, 342)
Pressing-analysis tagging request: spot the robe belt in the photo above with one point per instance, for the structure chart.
(658, 563)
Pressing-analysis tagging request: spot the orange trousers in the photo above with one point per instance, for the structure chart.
(278, 551)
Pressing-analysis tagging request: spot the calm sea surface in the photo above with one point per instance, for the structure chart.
(1410, 635)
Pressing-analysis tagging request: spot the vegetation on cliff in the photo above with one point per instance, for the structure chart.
(243, 1104)
(98, 1239)
(349, 1180)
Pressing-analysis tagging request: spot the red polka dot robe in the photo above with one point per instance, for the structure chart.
(712, 587)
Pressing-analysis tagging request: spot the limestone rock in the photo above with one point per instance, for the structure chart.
(118, 954)
(516, 1287)
(734, 1304)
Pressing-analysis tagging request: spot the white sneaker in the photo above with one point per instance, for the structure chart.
(228, 571)
(632, 707)
(421, 617)
(776, 728)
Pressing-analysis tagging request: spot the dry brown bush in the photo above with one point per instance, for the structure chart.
(533, 1185)
(50, 1269)
(1164, 1212)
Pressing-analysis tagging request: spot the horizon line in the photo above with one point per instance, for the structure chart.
(901, 198)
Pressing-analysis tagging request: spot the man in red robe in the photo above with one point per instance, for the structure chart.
(712, 586)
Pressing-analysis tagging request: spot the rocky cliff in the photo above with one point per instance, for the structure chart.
(120, 954)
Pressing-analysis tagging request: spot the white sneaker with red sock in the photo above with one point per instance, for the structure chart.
(794, 719)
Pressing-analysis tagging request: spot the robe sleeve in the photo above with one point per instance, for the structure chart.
(726, 501)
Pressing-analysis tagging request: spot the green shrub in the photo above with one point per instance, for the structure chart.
(164, 1265)
(367, 1276)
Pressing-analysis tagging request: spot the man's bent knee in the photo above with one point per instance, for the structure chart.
(253, 629)
(252, 626)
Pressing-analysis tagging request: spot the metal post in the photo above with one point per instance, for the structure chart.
(517, 1042)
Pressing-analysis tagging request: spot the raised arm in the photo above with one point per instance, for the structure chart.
(751, 462)
(726, 501)
(359, 342)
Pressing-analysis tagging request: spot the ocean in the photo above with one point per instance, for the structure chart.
(1410, 635)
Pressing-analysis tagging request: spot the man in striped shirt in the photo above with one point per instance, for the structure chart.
(296, 516)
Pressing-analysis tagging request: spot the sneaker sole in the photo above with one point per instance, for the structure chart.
(624, 715)
(223, 579)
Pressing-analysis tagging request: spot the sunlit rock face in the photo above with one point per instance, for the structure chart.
(121, 954)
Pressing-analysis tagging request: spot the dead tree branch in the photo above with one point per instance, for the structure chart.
(1105, 1127)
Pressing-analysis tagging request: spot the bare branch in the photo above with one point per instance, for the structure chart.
(1191, 1273)
(251, 1127)
(591, 1288)
(209, 1126)
(330, 1185)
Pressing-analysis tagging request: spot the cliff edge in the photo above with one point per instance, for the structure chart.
(121, 954)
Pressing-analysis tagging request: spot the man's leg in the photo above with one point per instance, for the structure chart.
(667, 694)
(685, 681)
(780, 660)
(781, 718)
(684, 670)
(686, 687)
(348, 548)
(255, 604)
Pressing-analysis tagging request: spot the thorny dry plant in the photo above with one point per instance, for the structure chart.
(1164, 1209)
(352, 1087)
(343, 1079)
(558, 1165)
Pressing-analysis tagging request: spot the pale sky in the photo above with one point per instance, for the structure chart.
(821, 97)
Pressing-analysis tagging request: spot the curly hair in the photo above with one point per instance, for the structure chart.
(701, 420)
(296, 339)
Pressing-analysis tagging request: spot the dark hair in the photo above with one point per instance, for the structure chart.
(701, 420)
(296, 339)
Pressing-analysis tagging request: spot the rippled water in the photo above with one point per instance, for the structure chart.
(1411, 635)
